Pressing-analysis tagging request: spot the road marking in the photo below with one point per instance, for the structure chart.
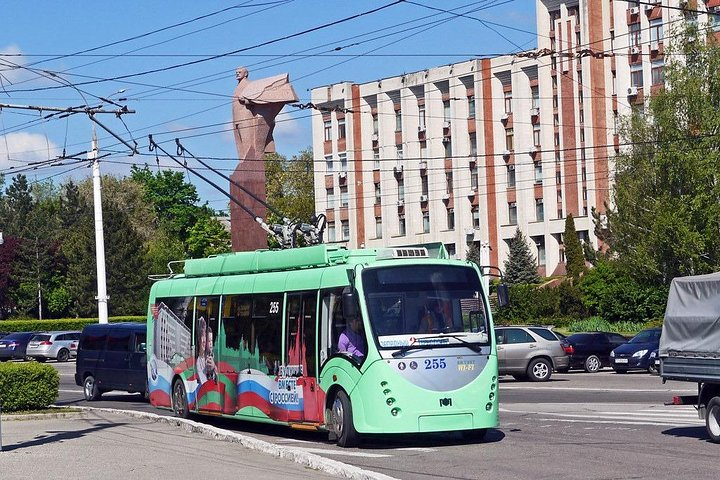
(417, 449)
(323, 451)
(70, 391)
(668, 418)
(586, 389)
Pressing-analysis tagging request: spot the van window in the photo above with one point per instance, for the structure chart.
(140, 339)
(119, 341)
(93, 341)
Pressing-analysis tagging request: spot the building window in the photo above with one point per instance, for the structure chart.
(424, 184)
(375, 124)
(584, 193)
(474, 179)
(512, 213)
(555, 100)
(657, 72)
(511, 176)
(559, 196)
(451, 219)
(509, 139)
(327, 128)
(540, 244)
(343, 196)
(331, 231)
(446, 110)
(401, 190)
(582, 135)
(557, 139)
(343, 161)
(635, 35)
(345, 230)
(341, 128)
(448, 182)
(536, 134)
(473, 144)
(475, 217)
(556, 120)
(399, 152)
(538, 173)
(448, 147)
(558, 177)
(377, 194)
(421, 115)
(557, 158)
(426, 222)
(560, 213)
(378, 227)
(554, 82)
(398, 120)
(508, 102)
(535, 97)
(561, 252)
(330, 198)
(714, 21)
(612, 41)
(376, 159)
(401, 225)
(580, 96)
(471, 106)
(582, 116)
(577, 39)
(584, 174)
(329, 167)
(452, 252)
(656, 30)
(539, 210)
(579, 78)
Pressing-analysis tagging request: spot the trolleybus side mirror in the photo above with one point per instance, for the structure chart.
(503, 295)
(350, 306)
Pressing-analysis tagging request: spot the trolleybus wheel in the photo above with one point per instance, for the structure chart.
(179, 400)
(712, 419)
(343, 426)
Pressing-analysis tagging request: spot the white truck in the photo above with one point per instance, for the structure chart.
(690, 344)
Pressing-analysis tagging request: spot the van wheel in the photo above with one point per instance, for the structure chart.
(343, 426)
(90, 389)
(712, 419)
(179, 400)
(63, 355)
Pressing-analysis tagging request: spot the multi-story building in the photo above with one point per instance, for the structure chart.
(470, 152)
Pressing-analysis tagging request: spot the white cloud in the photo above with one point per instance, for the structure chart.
(10, 63)
(18, 149)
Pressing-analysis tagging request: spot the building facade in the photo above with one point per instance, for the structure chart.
(469, 152)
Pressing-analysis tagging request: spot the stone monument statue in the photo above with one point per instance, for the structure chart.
(256, 103)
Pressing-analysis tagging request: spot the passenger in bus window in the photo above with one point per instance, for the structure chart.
(433, 319)
(352, 340)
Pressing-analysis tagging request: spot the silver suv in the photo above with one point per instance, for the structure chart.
(58, 345)
(529, 353)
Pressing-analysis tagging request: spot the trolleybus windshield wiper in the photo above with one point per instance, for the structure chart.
(472, 346)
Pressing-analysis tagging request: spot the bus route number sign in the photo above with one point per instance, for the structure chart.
(435, 363)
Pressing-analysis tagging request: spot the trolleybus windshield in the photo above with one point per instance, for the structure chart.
(425, 305)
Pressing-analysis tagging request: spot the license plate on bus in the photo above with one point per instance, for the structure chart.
(621, 360)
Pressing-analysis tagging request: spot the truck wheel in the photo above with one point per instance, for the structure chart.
(592, 364)
(90, 389)
(343, 426)
(179, 400)
(712, 419)
(539, 370)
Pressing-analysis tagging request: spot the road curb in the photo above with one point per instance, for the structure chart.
(41, 416)
(297, 455)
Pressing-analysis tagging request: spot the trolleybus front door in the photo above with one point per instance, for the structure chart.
(301, 357)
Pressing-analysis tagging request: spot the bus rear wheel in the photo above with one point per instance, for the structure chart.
(342, 422)
(179, 400)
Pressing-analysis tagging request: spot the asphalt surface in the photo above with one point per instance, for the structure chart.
(101, 444)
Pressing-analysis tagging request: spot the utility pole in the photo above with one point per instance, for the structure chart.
(485, 260)
(102, 297)
(92, 155)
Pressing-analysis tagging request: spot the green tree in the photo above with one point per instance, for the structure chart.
(473, 254)
(520, 267)
(666, 196)
(208, 237)
(574, 255)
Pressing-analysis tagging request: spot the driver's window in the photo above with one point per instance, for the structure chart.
(332, 323)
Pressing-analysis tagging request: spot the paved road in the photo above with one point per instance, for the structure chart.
(604, 425)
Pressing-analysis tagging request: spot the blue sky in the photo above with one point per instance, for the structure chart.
(193, 102)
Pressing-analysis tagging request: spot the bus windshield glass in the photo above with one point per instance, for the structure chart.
(440, 302)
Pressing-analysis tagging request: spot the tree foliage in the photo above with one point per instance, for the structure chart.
(664, 222)
(574, 255)
(520, 267)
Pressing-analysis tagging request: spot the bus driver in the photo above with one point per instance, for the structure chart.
(352, 340)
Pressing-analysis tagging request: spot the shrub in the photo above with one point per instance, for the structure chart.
(58, 324)
(27, 386)
(529, 303)
(595, 324)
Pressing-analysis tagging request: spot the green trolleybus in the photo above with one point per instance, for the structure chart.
(396, 340)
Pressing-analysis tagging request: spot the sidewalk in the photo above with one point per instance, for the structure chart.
(98, 444)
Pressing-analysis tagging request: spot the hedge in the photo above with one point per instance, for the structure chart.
(58, 324)
(27, 386)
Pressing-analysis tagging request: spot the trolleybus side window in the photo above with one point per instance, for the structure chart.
(332, 322)
(300, 339)
(238, 346)
(267, 318)
(173, 328)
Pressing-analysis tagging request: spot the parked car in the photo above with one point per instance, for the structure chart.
(14, 345)
(111, 356)
(529, 352)
(637, 354)
(58, 345)
(591, 351)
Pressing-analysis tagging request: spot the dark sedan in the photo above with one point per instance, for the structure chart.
(591, 351)
(14, 345)
(638, 354)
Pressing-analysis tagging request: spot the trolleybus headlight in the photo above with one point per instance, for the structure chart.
(383, 383)
(395, 412)
(492, 386)
(488, 406)
(390, 401)
(386, 391)
(491, 396)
